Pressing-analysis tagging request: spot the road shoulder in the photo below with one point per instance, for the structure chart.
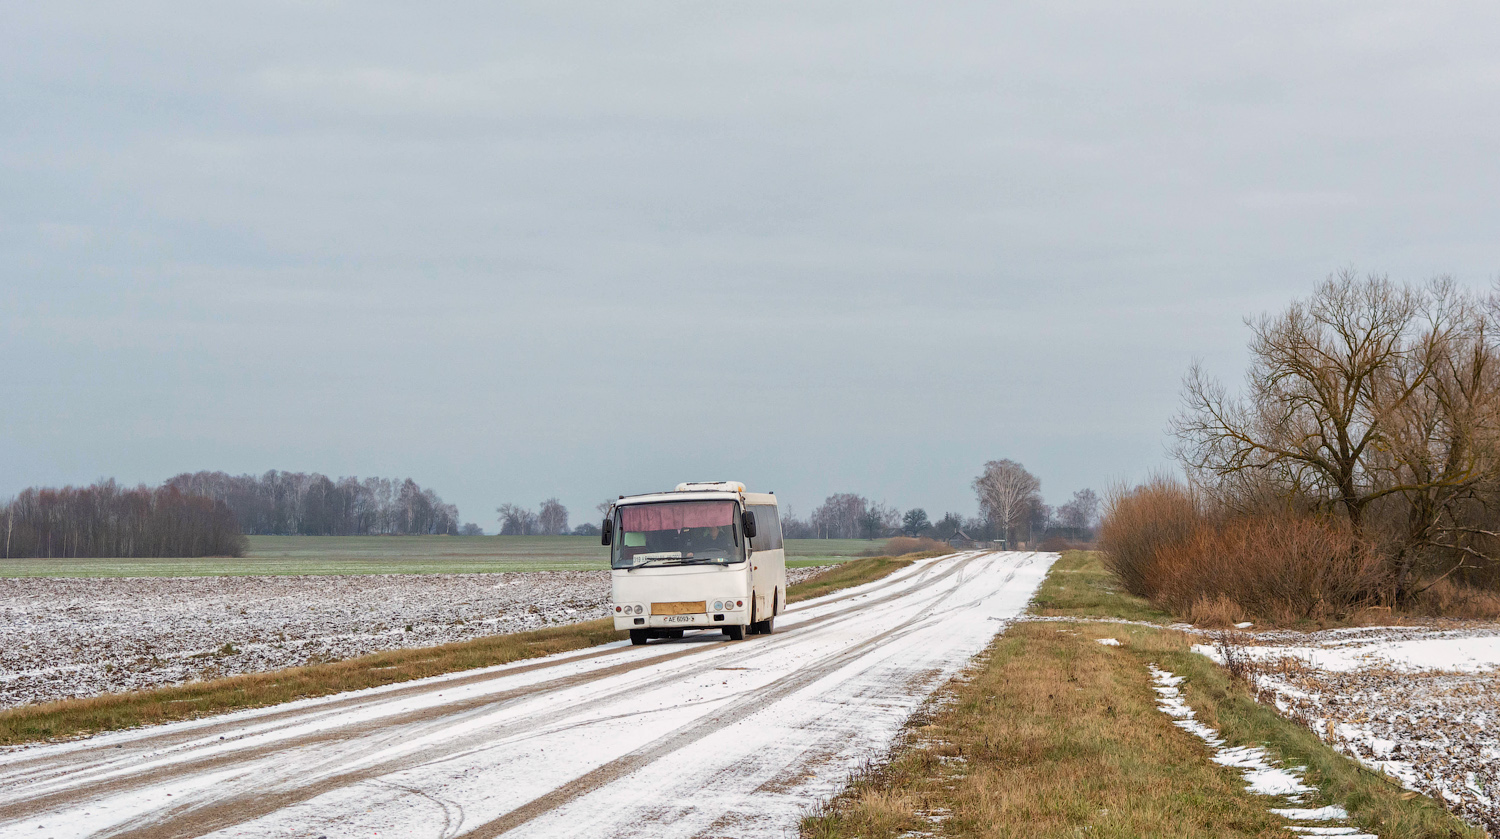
(1053, 733)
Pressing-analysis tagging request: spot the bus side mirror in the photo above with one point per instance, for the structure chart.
(605, 533)
(749, 519)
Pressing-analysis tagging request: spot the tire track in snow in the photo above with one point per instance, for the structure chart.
(620, 767)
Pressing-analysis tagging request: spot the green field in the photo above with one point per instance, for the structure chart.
(393, 555)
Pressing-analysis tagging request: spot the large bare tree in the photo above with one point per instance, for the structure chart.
(1367, 397)
(1007, 494)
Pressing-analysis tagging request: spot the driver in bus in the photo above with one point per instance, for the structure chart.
(715, 538)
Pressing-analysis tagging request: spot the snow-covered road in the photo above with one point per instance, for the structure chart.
(697, 737)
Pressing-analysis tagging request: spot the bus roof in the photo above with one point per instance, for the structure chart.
(705, 491)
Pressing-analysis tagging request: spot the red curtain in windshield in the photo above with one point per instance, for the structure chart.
(636, 518)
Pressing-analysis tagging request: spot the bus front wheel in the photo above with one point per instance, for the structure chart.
(762, 627)
(638, 636)
(734, 633)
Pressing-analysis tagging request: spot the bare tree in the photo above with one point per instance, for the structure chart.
(516, 520)
(553, 518)
(839, 516)
(1368, 397)
(1007, 494)
(1080, 513)
(793, 527)
(1325, 378)
(879, 521)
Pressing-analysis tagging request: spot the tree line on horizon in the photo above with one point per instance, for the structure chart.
(312, 504)
(190, 513)
(104, 520)
(1010, 503)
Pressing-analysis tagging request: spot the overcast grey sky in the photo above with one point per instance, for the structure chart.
(530, 249)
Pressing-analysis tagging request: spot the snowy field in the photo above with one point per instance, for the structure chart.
(81, 637)
(1421, 704)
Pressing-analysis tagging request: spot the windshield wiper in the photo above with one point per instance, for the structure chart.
(675, 561)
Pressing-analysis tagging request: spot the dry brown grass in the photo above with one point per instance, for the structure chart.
(1079, 586)
(1058, 544)
(1448, 599)
(1217, 612)
(1055, 735)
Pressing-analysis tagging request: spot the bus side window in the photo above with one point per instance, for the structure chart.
(767, 528)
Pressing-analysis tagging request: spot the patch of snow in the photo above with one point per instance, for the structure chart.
(1261, 774)
(1109, 642)
(1330, 813)
(1458, 651)
(1275, 781)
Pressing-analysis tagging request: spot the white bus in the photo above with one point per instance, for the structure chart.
(704, 556)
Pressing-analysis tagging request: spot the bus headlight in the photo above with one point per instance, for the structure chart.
(639, 609)
(718, 605)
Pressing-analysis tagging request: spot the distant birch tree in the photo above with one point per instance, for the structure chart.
(1007, 494)
(552, 520)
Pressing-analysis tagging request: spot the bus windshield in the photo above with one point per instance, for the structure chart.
(676, 533)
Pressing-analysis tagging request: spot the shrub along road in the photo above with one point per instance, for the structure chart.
(684, 738)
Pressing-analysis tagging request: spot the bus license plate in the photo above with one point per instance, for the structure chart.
(678, 618)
